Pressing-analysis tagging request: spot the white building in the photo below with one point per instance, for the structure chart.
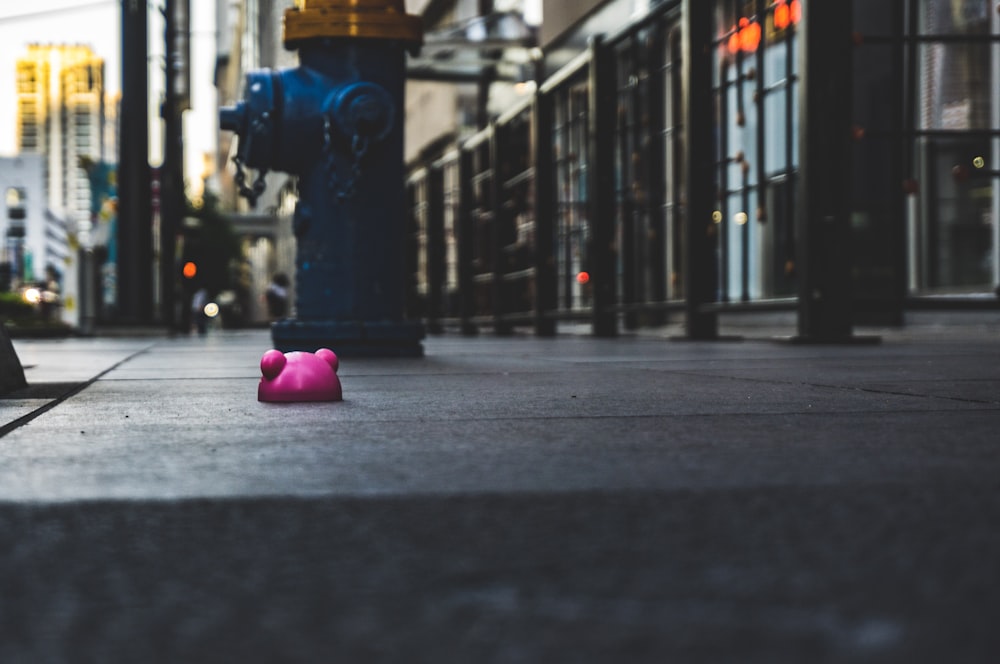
(34, 238)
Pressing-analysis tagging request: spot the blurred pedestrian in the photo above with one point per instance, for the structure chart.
(198, 302)
(50, 299)
(276, 296)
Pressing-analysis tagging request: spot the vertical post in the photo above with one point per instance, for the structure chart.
(88, 291)
(723, 227)
(823, 219)
(699, 156)
(632, 263)
(901, 166)
(762, 213)
(498, 219)
(601, 185)
(171, 173)
(656, 174)
(546, 288)
(483, 85)
(436, 255)
(994, 122)
(463, 227)
(135, 289)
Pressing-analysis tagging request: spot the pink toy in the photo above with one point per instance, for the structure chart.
(299, 376)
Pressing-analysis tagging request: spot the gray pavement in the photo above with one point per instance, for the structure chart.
(507, 500)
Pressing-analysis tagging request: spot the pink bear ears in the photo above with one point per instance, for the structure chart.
(329, 357)
(274, 361)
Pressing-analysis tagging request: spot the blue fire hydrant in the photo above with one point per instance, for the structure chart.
(336, 122)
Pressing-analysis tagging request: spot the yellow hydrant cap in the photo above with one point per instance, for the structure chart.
(361, 19)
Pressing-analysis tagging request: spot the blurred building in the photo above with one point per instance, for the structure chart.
(250, 37)
(62, 115)
(34, 238)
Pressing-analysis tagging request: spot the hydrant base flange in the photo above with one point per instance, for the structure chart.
(350, 338)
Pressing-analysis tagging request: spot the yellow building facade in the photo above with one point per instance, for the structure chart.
(62, 115)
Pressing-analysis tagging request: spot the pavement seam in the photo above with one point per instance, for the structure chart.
(850, 388)
(926, 396)
(38, 412)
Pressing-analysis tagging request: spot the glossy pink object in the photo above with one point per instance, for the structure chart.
(299, 376)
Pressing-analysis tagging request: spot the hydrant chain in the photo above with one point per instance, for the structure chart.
(359, 148)
(259, 185)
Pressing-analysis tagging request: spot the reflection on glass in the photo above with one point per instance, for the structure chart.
(956, 93)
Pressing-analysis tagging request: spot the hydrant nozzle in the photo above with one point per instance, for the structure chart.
(355, 19)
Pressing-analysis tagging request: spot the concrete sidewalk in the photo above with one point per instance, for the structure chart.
(521, 499)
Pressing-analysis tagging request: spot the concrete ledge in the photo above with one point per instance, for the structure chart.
(11, 372)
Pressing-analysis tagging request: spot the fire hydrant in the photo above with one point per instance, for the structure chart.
(336, 122)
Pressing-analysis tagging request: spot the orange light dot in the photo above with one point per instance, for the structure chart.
(190, 269)
(733, 45)
(781, 15)
(795, 11)
(583, 278)
(749, 36)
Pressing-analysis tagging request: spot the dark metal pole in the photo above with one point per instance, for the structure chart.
(436, 254)
(546, 277)
(906, 54)
(171, 175)
(463, 228)
(760, 215)
(498, 288)
(135, 288)
(700, 239)
(656, 174)
(627, 145)
(602, 103)
(823, 219)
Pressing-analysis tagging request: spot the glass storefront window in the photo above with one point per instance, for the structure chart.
(954, 247)
(954, 17)
(955, 89)
(756, 76)
(570, 150)
(956, 240)
(450, 210)
(673, 148)
(641, 226)
(417, 231)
